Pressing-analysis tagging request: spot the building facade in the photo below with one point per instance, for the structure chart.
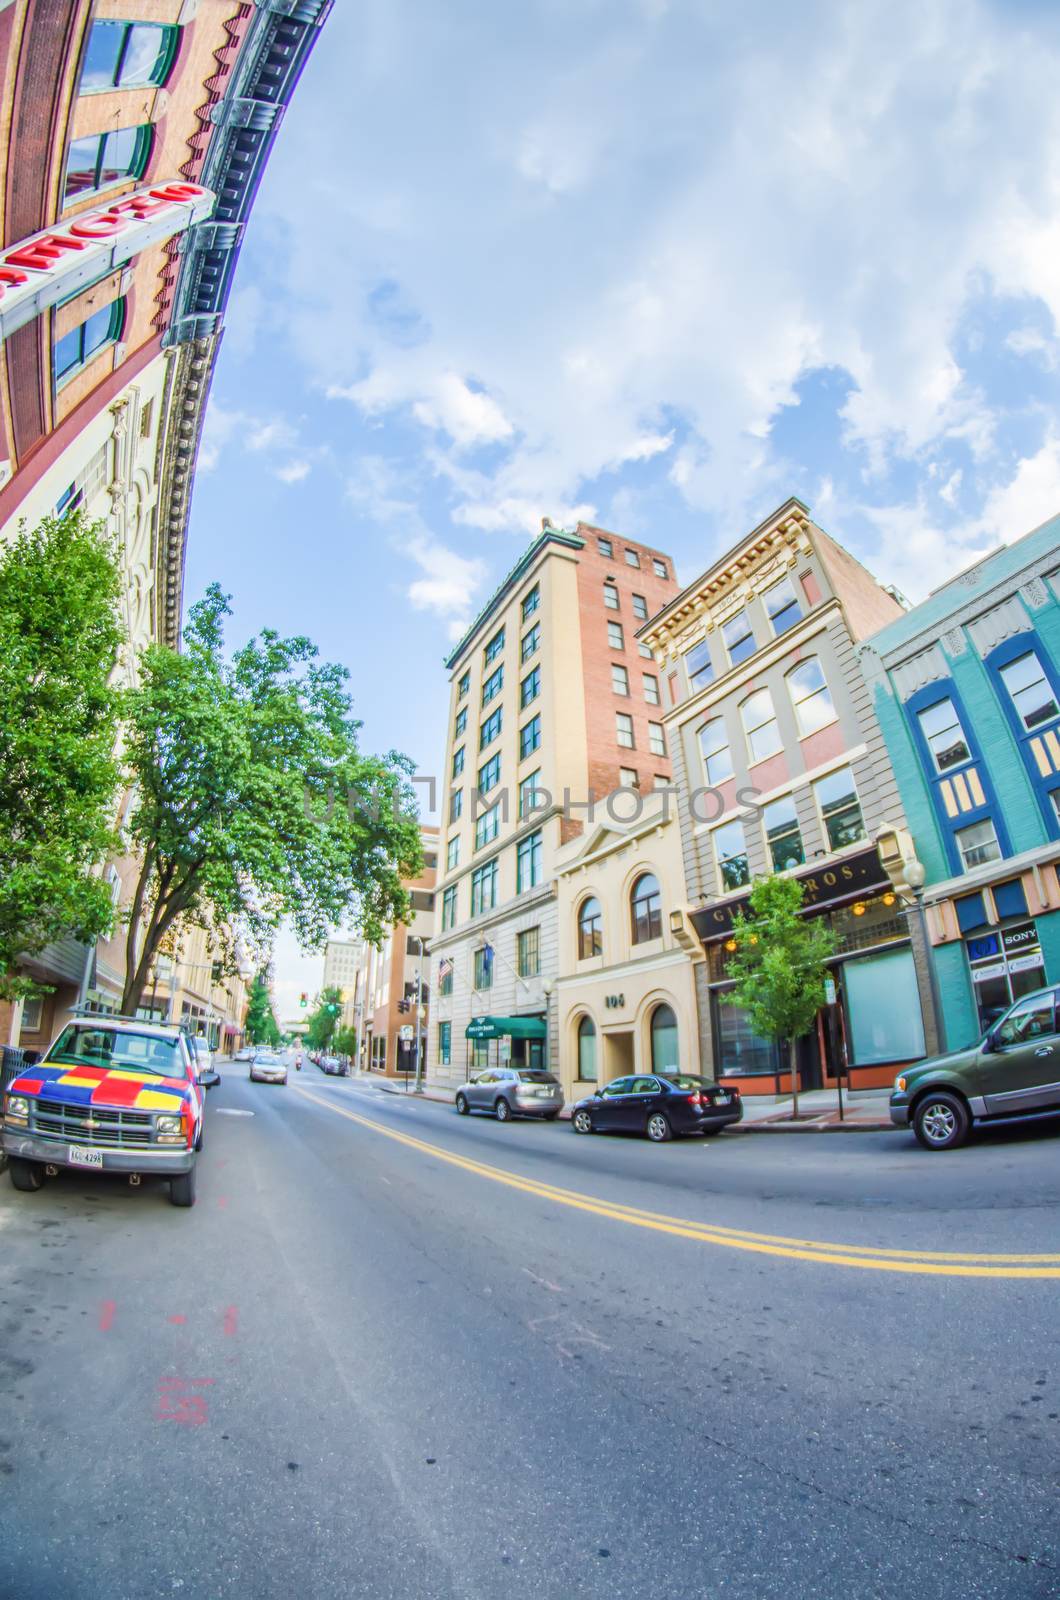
(553, 707)
(390, 982)
(779, 769)
(966, 689)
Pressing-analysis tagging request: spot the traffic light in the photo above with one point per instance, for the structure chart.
(304, 1001)
(215, 972)
(403, 1005)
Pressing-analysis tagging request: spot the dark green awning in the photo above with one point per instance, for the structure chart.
(512, 1027)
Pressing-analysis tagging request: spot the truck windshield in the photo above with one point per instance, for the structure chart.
(99, 1046)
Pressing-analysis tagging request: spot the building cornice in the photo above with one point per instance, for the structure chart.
(549, 536)
(184, 409)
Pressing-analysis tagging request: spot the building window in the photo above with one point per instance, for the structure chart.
(646, 909)
(739, 640)
(528, 793)
(458, 762)
(487, 826)
(528, 952)
(782, 606)
(529, 737)
(810, 698)
(1010, 899)
(730, 852)
(531, 601)
(628, 778)
(449, 907)
(644, 650)
(531, 641)
(760, 726)
(840, 808)
(461, 723)
(495, 646)
(490, 729)
(741, 1052)
(610, 597)
(883, 1008)
(978, 844)
(445, 977)
(587, 1050)
(615, 639)
(651, 688)
(1006, 964)
(480, 1055)
(715, 750)
(632, 558)
(664, 1057)
(781, 824)
(445, 1042)
(660, 568)
(624, 729)
(606, 548)
(463, 686)
(1030, 690)
(489, 774)
(530, 688)
(699, 666)
(656, 739)
(590, 929)
(493, 686)
(484, 968)
(452, 853)
(78, 347)
(944, 735)
(528, 863)
(619, 679)
(127, 55)
(640, 607)
(103, 159)
(484, 888)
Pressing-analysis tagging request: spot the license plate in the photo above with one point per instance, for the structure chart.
(722, 1099)
(84, 1158)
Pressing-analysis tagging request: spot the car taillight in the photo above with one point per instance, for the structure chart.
(695, 1099)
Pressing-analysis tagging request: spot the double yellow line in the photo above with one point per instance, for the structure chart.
(929, 1263)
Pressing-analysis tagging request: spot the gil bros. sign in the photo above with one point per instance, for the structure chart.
(55, 264)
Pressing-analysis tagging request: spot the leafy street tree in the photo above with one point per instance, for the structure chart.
(254, 800)
(779, 966)
(345, 1043)
(324, 1020)
(261, 1026)
(60, 637)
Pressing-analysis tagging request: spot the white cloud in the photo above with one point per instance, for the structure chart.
(467, 415)
(949, 489)
(293, 471)
(449, 580)
(1031, 496)
(1032, 342)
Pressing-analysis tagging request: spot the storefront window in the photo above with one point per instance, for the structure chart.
(663, 1040)
(782, 834)
(1005, 964)
(883, 1007)
(741, 1051)
(587, 1050)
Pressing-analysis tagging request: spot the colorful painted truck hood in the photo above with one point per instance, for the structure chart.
(120, 1088)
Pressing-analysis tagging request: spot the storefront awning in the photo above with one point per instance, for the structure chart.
(842, 879)
(511, 1027)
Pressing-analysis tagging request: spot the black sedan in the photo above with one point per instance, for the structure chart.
(659, 1107)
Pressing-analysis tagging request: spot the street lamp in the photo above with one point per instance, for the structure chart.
(418, 1087)
(915, 873)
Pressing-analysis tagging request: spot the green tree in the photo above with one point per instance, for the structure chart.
(345, 1042)
(779, 966)
(255, 802)
(324, 1019)
(261, 1026)
(60, 637)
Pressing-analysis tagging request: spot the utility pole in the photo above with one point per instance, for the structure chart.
(419, 1018)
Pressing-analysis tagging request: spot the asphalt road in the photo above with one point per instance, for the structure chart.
(396, 1353)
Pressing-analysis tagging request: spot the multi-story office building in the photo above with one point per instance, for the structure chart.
(390, 981)
(966, 689)
(342, 958)
(553, 706)
(779, 769)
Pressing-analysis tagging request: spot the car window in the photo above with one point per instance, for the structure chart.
(645, 1086)
(683, 1080)
(485, 1077)
(1033, 1019)
(536, 1076)
(619, 1086)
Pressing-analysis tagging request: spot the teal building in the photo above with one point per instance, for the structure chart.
(966, 690)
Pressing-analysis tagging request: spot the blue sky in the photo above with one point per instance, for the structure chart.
(655, 264)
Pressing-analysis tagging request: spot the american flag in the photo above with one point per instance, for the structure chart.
(445, 967)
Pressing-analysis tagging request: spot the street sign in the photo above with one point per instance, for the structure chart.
(829, 991)
(406, 1034)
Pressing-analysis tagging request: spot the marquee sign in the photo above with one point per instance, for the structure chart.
(822, 886)
(56, 263)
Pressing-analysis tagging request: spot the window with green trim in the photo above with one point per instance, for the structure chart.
(76, 349)
(102, 160)
(127, 55)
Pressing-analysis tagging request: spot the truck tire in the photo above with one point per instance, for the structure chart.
(182, 1188)
(25, 1175)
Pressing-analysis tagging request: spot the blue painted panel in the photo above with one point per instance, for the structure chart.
(1048, 825)
(946, 689)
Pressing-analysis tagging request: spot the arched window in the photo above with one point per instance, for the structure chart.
(590, 929)
(714, 747)
(664, 1040)
(810, 697)
(646, 905)
(587, 1050)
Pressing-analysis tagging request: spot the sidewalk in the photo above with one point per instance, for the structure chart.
(864, 1111)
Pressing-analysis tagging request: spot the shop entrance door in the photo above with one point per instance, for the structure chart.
(618, 1055)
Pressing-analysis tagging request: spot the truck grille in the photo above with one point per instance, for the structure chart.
(54, 1119)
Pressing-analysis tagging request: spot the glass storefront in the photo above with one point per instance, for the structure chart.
(883, 1008)
(1005, 964)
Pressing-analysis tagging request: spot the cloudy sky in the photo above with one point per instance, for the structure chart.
(655, 263)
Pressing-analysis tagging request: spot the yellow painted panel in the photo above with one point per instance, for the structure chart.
(1042, 759)
(976, 787)
(960, 789)
(947, 798)
(1052, 744)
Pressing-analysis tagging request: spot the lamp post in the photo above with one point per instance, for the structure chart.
(547, 986)
(418, 1089)
(915, 874)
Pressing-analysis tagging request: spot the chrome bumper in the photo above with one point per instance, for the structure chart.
(167, 1163)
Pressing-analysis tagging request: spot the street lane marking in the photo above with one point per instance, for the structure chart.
(930, 1263)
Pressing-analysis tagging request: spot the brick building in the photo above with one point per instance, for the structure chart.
(380, 1000)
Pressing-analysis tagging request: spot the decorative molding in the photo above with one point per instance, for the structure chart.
(954, 642)
(1035, 593)
(925, 668)
(993, 627)
(184, 407)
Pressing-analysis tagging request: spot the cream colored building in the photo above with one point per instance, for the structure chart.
(626, 990)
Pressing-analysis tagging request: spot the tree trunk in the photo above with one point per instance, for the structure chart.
(794, 1070)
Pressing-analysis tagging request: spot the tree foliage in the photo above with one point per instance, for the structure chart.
(345, 1043)
(324, 1018)
(255, 802)
(60, 637)
(779, 965)
(261, 1026)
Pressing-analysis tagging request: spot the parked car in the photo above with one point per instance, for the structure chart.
(246, 1054)
(112, 1094)
(512, 1092)
(1013, 1072)
(267, 1068)
(331, 1065)
(661, 1106)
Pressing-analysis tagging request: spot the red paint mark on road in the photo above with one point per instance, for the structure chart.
(222, 1200)
(231, 1320)
(178, 1402)
(176, 1318)
(106, 1316)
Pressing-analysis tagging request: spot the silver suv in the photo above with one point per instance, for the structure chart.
(512, 1092)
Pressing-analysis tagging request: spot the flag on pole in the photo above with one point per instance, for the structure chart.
(445, 968)
(487, 958)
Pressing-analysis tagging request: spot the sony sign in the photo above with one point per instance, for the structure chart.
(55, 264)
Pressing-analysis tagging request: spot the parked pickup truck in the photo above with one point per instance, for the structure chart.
(112, 1094)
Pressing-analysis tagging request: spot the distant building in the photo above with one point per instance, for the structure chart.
(381, 999)
(342, 957)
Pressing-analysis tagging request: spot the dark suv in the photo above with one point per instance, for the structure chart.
(1014, 1071)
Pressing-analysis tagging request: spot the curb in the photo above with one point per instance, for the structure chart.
(815, 1127)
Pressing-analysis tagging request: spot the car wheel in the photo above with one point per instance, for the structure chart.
(182, 1189)
(941, 1121)
(25, 1175)
(582, 1122)
(658, 1128)
(461, 1105)
(503, 1110)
